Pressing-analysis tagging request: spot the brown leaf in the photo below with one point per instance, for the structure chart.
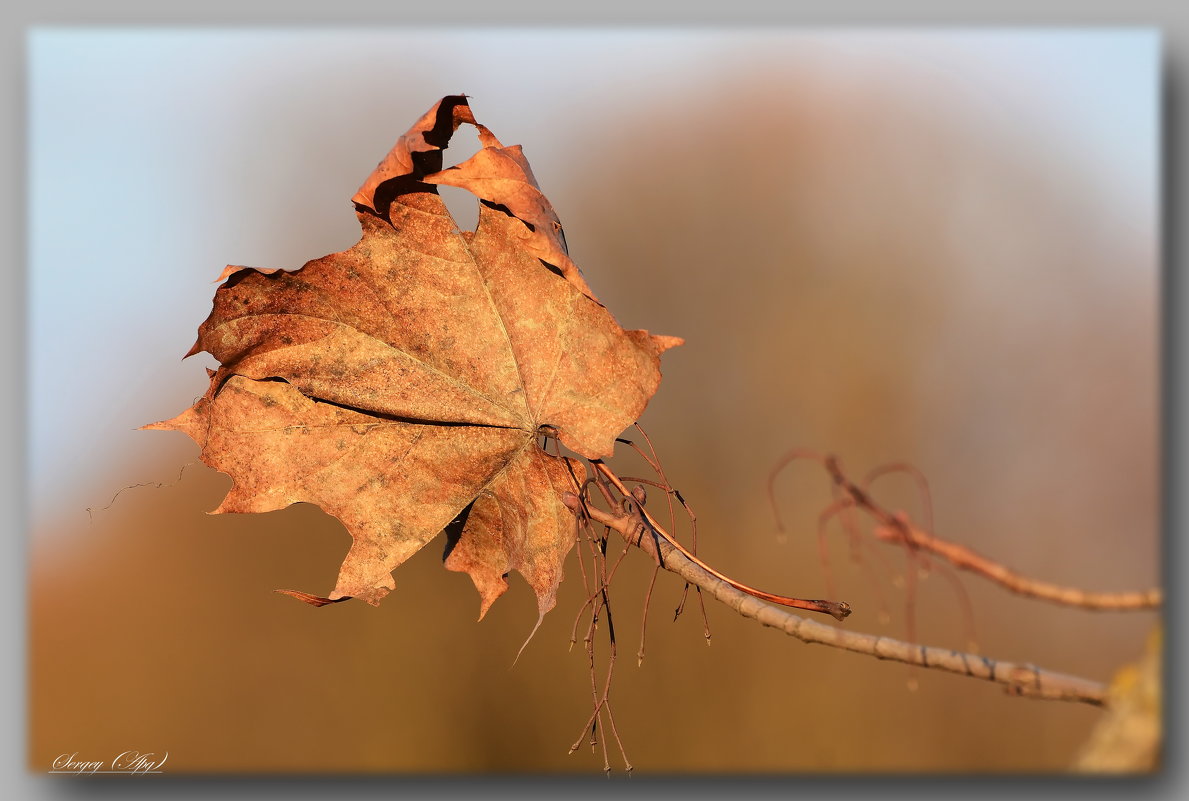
(404, 382)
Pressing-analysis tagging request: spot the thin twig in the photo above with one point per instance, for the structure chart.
(644, 617)
(91, 510)
(898, 528)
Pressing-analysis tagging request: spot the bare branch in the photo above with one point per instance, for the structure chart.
(1019, 679)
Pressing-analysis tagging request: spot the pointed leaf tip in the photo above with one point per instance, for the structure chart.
(663, 342)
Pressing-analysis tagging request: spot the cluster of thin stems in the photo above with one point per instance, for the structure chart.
(596, 579)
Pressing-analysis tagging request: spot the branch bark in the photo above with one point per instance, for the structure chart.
(1018, 679)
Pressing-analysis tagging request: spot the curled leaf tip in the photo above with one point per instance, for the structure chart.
(312, 600)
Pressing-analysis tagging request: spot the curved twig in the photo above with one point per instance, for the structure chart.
(1018, 679)
(897, 528)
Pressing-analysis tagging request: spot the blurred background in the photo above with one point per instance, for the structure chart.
(936, 247)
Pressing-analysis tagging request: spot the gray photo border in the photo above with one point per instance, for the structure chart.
(1172, 18)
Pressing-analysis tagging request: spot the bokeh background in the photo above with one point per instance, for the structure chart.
(937, 247)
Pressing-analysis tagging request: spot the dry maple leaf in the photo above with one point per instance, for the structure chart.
(402, 385)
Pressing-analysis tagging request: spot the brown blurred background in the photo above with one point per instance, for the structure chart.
(891, 248)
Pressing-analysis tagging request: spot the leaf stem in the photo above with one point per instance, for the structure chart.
(837, 609)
